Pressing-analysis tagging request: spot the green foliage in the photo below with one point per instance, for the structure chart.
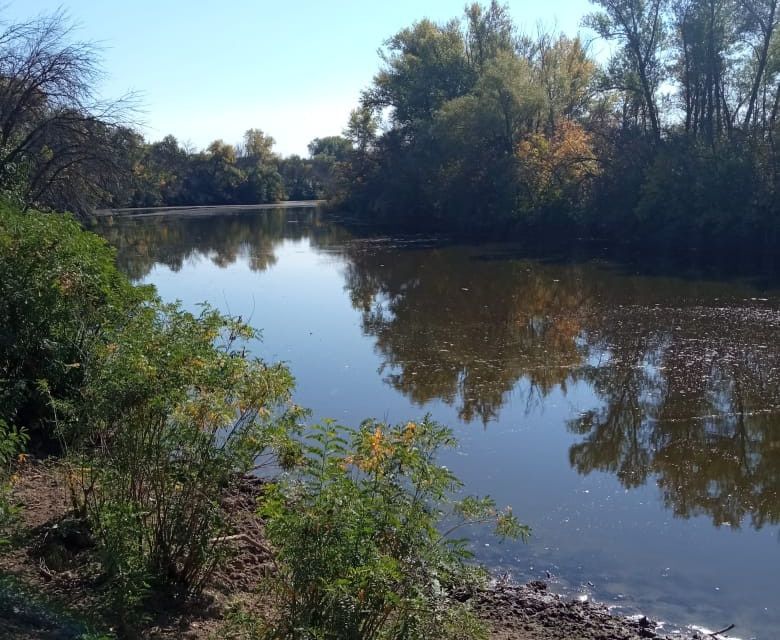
(180, 413)
(424, 66)
(461, 97)
(166, 174)
(336, 147)
(159, 409)
(489, 31)
(239, 624)
(671, 142)
(693, 191)
(59, 294)
(301, 177)
(639, 27)
(12, 445)
(357, 533)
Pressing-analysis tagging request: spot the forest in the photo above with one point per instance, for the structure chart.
(469, 127)
(474, 127)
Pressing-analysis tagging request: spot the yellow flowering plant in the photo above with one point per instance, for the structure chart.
(359, 530)
(179, 413)
(157, 411)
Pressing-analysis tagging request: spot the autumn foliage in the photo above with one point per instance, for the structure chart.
(555, 170)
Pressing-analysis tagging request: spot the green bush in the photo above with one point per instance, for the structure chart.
(158, 410)
(59, 293)
(12, 444)
(179, 414)
(357, 534)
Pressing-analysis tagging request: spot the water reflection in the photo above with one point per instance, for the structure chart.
(463, 331)
(173, 239)
(687, 393)
(690, 396)
(684, 376)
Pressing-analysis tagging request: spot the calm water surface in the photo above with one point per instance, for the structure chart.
(632, 421)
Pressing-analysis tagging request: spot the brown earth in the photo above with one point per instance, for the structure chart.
(51, 589)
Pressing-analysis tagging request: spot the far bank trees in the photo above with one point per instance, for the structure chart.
(671, 141)
(64, 147)
(168, 173)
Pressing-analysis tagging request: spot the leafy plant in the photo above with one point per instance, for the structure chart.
(12, 445)
(239, 624)
(59, 293)
(159, 410)
(180, 413)
(357, 534)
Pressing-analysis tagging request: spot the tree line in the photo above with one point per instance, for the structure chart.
(62, 147)
(471, 126)
(167, 173)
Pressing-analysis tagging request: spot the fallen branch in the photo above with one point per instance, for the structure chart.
(245, 538)
(717, 633)
(44, 570)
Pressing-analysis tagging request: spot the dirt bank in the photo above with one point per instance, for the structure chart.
(50, 583)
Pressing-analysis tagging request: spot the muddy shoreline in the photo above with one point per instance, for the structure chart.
(50, 587)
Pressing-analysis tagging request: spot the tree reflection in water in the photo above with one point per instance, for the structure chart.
(461, 331)
(687, 393)
(685, 375)
(691, 398)
(173, 239)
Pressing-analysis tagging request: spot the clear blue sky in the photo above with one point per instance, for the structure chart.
(210, 69)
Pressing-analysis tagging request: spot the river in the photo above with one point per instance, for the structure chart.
(633, 421)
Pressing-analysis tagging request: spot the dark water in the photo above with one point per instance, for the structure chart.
(632, 421)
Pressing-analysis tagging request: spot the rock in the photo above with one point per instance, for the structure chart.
(538, 585)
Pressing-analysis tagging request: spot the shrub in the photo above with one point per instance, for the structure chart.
(12, 444)
(158, 410)
(180, 412)
(59, 293)
(356, 529)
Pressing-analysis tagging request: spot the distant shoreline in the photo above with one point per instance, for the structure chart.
(205, 209)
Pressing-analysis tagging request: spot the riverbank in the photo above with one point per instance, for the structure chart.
(51, 588)
(147, 212)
